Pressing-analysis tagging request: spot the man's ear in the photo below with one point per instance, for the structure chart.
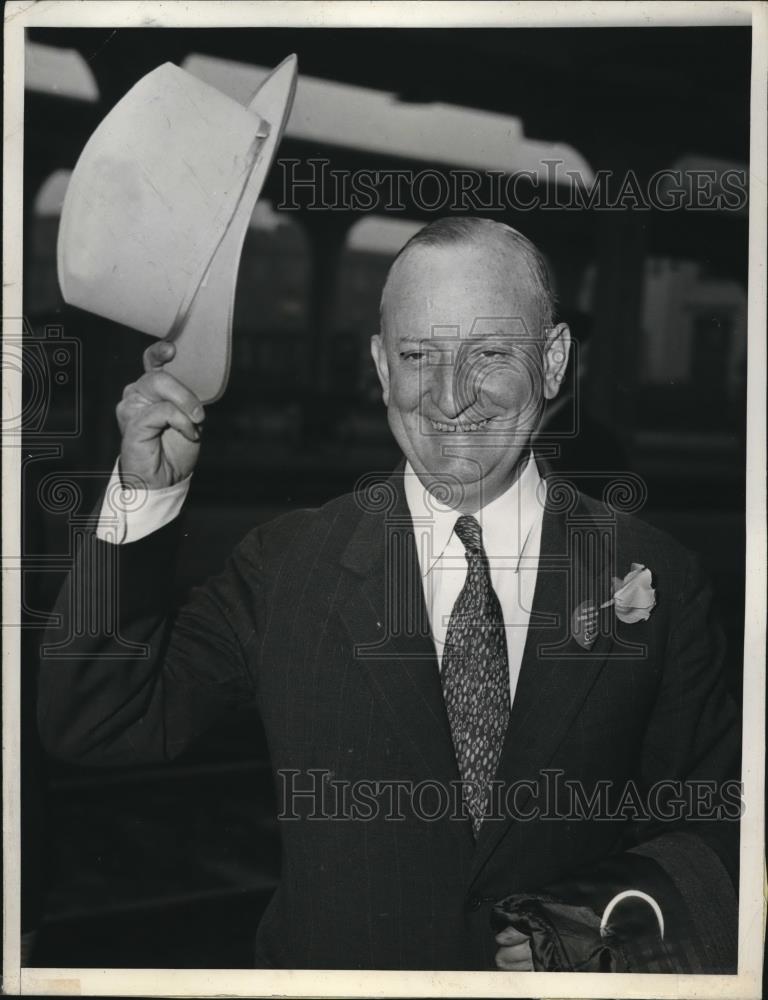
(379, 354)
(556, 350)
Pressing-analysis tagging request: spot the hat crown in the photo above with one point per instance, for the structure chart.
(157, 209)
(165, 169)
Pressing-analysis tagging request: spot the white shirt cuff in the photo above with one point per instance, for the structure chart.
(129, 513)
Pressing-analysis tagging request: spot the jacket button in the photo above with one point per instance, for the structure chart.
(474, 903)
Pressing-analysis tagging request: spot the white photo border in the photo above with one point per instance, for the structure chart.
(22, 14)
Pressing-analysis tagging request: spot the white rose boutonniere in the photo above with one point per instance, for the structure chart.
(634, 598)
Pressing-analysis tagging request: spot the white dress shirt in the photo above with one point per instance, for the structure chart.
(511, 526)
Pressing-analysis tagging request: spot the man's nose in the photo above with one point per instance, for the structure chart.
(451, 393)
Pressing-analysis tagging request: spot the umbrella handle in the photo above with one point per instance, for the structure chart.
(628, 894)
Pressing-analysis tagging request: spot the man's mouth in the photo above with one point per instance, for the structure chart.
(459, 426)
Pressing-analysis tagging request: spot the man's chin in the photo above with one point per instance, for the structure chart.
(456, 475)
(466, 470)
(453, 482)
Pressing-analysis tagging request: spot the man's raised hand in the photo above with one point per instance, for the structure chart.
(160, 421)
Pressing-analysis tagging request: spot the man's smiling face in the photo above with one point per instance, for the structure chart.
(465, 365)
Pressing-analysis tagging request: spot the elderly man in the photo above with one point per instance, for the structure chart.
(479, 734)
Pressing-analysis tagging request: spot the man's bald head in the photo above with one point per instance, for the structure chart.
(510, 257)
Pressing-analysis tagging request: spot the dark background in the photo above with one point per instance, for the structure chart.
(171, 865)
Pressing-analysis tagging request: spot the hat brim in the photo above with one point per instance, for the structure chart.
(203, 335)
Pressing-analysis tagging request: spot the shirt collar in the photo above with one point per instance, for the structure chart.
(506, 522)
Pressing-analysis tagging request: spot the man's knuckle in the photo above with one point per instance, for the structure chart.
(166, 384)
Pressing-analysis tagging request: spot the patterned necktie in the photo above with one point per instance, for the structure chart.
(475, 674)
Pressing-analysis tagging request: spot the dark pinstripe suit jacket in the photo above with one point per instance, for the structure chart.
(319, 617)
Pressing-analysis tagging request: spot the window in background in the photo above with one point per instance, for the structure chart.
(42, 294)
(372, 244)
(270, 332)
(694, 349)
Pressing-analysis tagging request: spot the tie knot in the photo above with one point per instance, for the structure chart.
(470, 533)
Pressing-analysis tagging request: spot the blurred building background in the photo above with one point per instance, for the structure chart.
(172, 865)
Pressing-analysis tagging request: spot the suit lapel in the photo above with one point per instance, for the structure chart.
(556, 673)
(384, 612)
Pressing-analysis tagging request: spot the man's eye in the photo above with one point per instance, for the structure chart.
(412, 355)
(490, 353)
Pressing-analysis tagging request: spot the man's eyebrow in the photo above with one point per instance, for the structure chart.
(499, 333)
(441, 338)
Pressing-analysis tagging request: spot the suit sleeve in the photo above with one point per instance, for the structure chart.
(694, 737)
(125, 677)
(694, 732)
(685, 854)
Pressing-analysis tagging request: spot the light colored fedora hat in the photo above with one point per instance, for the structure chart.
(157, 209)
